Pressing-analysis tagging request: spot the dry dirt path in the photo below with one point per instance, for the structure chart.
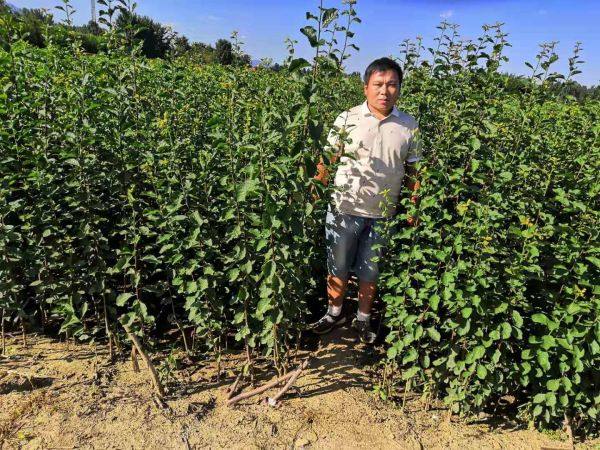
(79, 400)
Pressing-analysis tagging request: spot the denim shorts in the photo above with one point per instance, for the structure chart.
(350, 241)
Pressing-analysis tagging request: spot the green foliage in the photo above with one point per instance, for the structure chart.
(496, 291)
(144, 183)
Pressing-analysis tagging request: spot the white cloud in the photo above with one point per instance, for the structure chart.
(209, 18)
(447, 14)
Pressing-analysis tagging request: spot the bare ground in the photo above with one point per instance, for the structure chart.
(58, 395)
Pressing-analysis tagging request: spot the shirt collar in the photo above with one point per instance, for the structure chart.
(367, 112)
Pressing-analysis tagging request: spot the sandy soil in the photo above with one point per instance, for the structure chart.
(74, 398)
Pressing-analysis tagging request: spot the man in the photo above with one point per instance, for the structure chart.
(377, 146)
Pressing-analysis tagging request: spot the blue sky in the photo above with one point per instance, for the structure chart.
(264, 25)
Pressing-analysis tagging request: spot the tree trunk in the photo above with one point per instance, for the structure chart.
(153, 374)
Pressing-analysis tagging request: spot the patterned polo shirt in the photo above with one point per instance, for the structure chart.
(373, 154)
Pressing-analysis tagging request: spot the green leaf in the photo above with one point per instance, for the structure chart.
(408, 374)
(594, 260)
(506, 330)
(192, 287)
(392, 352)
(543, 360)
(553, 385)
(298, 64)
(233, 274)
(202, 284)
(434, 301)
(477, 353)
(434, 334)
(481, 372)
(122, 298)
(264, 305)
(247, 188)
(311, 35)
(474, 143)
(550, 399)
(517, 319)
(539, 318)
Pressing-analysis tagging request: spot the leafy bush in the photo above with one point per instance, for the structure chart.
(496, 292)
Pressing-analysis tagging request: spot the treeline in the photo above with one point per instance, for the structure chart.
(38, 26)
(520, 85)
(160, 41)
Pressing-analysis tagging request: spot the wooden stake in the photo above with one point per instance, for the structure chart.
(160, 392)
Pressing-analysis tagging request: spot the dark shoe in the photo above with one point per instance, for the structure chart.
(365, 334)
(327, 323)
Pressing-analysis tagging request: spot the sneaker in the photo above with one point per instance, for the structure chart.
(327, 323)
(365, 334)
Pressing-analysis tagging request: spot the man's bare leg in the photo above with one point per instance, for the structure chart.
(336, 288)
(366, 294)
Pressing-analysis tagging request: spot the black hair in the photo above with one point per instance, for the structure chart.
(381, 65)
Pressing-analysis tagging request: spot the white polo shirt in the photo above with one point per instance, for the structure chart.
(372, 161)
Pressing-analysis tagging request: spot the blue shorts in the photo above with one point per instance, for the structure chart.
(350, 241)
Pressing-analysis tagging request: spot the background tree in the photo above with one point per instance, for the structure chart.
(93, 27)
(201, 53)
(34, 22)
(156, 37)
(180, 45)
(224, 52)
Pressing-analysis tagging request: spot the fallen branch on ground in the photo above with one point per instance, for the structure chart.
(267, 386)
(272, 401)
(259, 390)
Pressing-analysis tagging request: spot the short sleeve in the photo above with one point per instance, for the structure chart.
(415, 151)
(333, 138)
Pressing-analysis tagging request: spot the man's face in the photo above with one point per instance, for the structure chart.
(382, 91)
